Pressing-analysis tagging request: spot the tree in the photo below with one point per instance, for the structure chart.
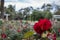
(46, 7)
(2, 9)
(43, 7)
(19, 14)
(36, 15)
(0, 5)
(11, 10)
(25, 12)
(47, 14)
(58, 10)
(31, 8)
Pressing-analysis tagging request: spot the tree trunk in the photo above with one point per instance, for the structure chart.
(2, 9)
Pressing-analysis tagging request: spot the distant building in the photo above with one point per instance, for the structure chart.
(56, 21)
(56, 17)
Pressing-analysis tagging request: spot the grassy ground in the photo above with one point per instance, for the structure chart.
(58, 38)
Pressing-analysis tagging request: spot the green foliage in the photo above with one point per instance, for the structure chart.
(36, 15)
(47, 14)
(1, 22)
(12, 33)
(56, 30)
(28, 34)
(10, 10)
(58, 38)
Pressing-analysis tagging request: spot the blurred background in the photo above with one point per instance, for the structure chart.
(30, 11)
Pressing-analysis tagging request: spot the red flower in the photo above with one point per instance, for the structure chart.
(37, 28)
(45, 24)
(42, 25)
(3, 35)
(18, 30)
(54, 36)
(51, 36)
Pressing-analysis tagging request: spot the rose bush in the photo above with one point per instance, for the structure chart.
(42, 25)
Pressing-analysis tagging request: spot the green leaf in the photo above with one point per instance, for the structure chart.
(28, 34)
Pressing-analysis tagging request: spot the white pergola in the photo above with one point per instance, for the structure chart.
(6, 16)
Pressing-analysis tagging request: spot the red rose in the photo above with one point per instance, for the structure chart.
(37, 28)
(45, 24)
(51, 36)
(18, 30)
(42, 25)
(3, 35)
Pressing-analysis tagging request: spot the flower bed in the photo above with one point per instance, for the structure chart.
(15, 30)
(19, 30)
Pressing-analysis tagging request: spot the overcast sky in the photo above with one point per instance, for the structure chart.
(26, 3)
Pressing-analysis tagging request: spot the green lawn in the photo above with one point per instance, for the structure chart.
(58, 38)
